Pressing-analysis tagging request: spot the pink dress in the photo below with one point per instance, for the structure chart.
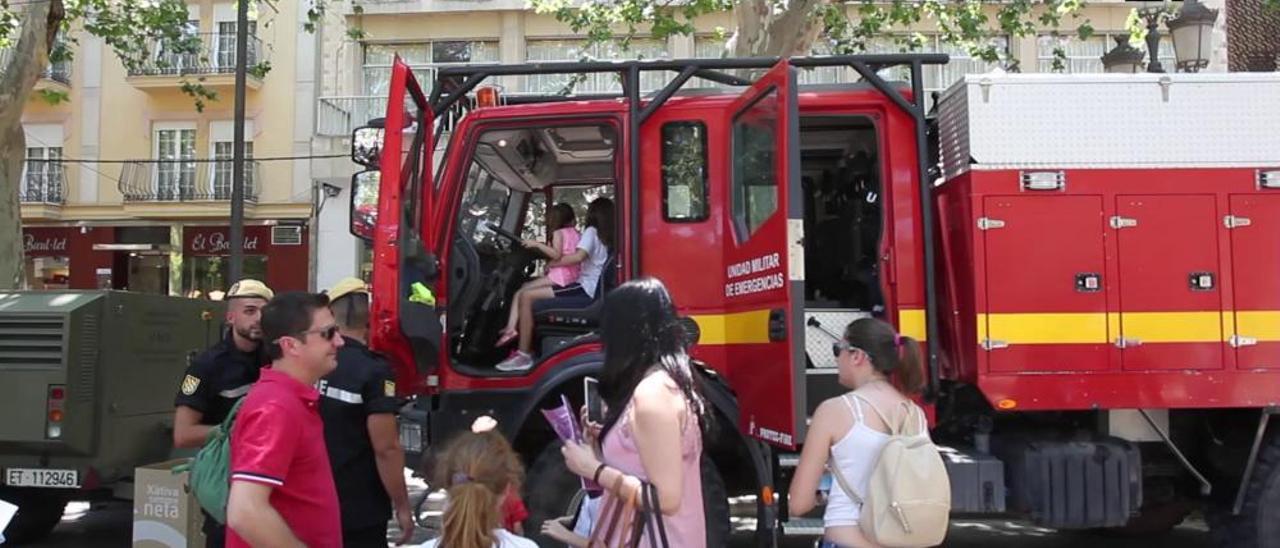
(565, 275)
(688, 527)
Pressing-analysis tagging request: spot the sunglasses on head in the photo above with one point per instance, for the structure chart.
(328, 333)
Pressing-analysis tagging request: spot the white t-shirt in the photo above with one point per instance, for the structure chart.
(505, 540)
(593, 265)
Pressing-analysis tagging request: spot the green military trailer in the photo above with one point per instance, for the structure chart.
(87, 381)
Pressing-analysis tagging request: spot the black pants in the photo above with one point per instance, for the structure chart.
(367, 537)
(215, 534)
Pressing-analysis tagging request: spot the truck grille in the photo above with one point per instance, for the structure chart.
(88, 355)
(31, 341)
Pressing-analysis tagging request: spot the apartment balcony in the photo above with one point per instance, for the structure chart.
(339, 116)
(185, 188)
(43, 190)
(56, 76)
(211, 59)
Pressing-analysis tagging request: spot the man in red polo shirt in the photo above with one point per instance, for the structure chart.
(282, 490)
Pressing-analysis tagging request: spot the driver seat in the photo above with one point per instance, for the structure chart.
(573, 316)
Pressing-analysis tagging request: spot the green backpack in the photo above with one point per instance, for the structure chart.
(211, 468)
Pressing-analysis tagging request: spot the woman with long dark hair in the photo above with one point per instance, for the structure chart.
(881, 369)
(655, 413)
(594, 247)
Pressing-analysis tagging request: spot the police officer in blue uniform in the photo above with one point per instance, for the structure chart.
(221, 375)
(358, 406)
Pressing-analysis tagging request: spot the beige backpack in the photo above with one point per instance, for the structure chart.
(908, 498)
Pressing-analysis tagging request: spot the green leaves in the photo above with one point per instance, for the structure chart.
(974, 26)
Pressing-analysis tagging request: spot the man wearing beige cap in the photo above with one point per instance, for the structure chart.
(221, 375)
(358, 405)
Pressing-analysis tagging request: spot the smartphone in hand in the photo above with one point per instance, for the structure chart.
(591, 397)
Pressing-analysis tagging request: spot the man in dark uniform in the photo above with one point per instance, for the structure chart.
(221, 375)
(358, 406)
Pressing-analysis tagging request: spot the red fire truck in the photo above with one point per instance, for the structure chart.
(1092, 262)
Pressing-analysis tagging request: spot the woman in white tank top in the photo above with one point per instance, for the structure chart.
(881, 368)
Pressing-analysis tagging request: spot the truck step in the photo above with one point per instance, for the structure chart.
(788, 460)
(796, 527)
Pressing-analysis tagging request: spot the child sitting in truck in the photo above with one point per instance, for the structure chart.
(561, 224)
(591, 254)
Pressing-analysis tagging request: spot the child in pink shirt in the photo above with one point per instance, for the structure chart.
(562, 226)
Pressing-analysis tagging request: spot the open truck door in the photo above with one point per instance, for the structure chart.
(391, 207)
(764, 278)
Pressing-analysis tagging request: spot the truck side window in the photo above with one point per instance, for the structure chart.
(755, 172)
(684, 171)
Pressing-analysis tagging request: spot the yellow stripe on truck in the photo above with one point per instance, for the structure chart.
(739, 328)
(1060, 328)
(911, 323)
(1149, 327)
(1263, 325)
(1173, 327)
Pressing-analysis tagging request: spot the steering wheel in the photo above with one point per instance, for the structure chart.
(504, 233)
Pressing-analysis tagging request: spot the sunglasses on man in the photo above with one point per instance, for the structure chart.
(327, 333)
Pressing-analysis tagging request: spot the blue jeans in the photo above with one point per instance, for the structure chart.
(824, 543)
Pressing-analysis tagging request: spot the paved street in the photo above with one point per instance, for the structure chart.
(108, 525)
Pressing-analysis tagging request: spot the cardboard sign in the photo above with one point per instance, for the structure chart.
(165, 513)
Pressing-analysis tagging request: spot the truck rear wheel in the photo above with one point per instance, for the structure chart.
(1256, 526)
(38, 513)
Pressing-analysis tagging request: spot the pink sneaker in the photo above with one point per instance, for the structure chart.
(517, 361)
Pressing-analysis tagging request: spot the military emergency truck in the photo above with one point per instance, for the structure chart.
(87, 380)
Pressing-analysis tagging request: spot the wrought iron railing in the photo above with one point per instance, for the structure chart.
(58, 71)
(44, 182)
(214, 54)
(185, 180)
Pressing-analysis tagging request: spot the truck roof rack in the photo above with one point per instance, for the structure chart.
(453, 83)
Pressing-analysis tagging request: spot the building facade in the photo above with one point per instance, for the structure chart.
(436, 33)
(127, 185)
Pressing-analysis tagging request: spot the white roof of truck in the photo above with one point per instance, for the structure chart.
(1015, 121)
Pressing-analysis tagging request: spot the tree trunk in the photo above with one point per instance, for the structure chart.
(18, 78)
(763, 32)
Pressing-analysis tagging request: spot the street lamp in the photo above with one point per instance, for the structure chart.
(1123, 59)
(1152, 16)
(1192, 32)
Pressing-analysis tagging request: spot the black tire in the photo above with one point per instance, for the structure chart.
(38, 513)
(550, 490)
(1153, 520)
(715, 499)
(1257, 525)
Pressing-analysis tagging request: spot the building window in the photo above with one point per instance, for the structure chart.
(223, 164)
(423, 58)
(1085, 56)
(684, 171)
(43, 180)
(209, 277)
(175, 153)
(937, 78)
(225, 45)
(713, 47)
(572, 51)
(755, 171)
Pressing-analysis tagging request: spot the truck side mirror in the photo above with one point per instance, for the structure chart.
(366, 146)
(364, 203)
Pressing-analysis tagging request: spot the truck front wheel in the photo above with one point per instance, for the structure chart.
(551, 491)
(1256, 526)
(38, 513)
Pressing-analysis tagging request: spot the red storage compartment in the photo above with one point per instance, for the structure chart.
(1255, 263)
(1170, 286)
(1046, 296)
